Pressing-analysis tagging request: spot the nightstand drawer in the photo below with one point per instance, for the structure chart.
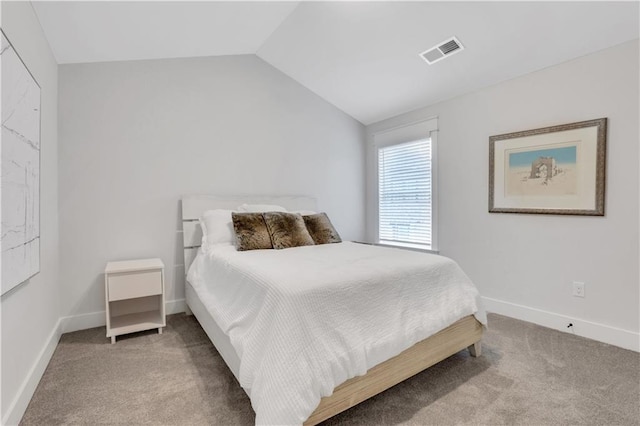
(134, 284)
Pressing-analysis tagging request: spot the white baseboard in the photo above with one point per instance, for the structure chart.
(175, 306)
(82, 321)
(98, 319)
(19, 405)
(603, 333)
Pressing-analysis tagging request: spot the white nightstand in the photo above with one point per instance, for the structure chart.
(134, 291)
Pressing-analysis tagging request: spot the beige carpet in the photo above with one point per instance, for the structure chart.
(527, 375)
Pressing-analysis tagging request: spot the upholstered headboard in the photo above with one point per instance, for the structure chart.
(194, 205)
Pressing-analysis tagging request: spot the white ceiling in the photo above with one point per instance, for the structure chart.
(100, 31)
(360, 56)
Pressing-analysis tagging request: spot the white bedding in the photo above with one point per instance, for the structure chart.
(306, 319)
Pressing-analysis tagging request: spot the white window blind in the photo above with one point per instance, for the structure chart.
(405, 193)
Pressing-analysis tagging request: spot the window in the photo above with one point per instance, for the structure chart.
(406, 186)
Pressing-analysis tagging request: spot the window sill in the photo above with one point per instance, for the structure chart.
(404, 246)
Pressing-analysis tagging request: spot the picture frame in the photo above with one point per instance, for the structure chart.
(552, 170)
(20, 159)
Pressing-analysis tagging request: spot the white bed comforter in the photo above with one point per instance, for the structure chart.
(304, 320)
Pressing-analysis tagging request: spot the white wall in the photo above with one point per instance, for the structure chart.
(30, 312)
(508, 255)
(135, 136)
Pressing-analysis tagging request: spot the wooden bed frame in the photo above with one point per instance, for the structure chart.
(465, 333)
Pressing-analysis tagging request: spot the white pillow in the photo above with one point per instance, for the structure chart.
(261, 208)
(217, 228)
(304, 212)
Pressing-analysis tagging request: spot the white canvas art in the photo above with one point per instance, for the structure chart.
(20, 184)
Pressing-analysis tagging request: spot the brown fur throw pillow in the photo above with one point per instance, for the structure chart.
(287, 230)
(251, 231)
(321, 229)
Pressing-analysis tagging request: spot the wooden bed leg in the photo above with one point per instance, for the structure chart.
(475, 350)
(187, 309)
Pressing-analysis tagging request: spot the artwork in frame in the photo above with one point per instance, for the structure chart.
(553, 170)
(20, 158)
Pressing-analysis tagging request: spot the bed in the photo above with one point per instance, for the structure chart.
(340, 385)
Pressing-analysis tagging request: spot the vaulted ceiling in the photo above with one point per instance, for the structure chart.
(363, 57)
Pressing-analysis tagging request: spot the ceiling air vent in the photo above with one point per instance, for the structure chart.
(442, 50)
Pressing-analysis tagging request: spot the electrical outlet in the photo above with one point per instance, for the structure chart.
(578, 289)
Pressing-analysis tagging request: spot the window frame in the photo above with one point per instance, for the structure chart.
(425, 129)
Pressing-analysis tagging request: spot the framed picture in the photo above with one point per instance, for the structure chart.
(20, 159)
(553, 170)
